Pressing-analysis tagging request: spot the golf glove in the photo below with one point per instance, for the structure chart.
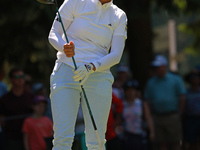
(83, 72)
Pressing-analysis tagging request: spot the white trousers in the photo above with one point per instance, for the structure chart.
(65, 100)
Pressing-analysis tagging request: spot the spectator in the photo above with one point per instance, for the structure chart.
(3, 90)
(37, 127)
(165, 96)
(122, 76)
(14, 107)
(39, 89)
(135, 137)
(114, 120)
(191, 120)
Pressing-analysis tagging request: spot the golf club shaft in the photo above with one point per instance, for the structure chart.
(65, 36)
(92, 118)
(83, 90)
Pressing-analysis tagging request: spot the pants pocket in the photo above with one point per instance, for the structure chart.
(55, 70)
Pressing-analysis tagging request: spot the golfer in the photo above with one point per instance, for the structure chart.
(96, 30)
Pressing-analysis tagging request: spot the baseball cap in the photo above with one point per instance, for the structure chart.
(131, 83)
(159, 60)
(39, 98)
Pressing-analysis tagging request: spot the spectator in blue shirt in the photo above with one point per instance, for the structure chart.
(164, 94)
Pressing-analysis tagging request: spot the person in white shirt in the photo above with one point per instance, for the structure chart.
(97, 32)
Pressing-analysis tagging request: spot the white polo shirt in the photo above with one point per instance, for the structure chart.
(92, 29)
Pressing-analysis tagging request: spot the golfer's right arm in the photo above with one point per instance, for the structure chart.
(56, 40)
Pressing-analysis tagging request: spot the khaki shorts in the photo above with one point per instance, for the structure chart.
(167, 128)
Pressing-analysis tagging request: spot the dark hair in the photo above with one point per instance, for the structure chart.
(12, 71)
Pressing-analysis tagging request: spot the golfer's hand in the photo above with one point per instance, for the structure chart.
(83, 72)
(69, 49)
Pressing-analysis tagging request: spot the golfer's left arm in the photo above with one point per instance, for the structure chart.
(117, 46)
(114, 57)
(109, 60)
(83, 71)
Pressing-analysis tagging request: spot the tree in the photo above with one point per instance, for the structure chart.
(24, 29)
(191, 8)
(139, 42)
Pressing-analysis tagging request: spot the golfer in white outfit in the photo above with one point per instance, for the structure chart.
(96, 30)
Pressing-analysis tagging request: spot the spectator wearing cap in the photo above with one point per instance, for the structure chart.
(133, 113)
(15, 106)
(39, 89)
(122, 76)
(191, 119)
(165, 95)
(37, 127)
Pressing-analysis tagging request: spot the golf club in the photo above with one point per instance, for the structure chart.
(54, 2)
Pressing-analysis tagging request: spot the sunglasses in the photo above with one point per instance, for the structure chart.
(17, 76)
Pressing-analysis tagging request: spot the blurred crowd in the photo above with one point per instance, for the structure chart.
(163, 116)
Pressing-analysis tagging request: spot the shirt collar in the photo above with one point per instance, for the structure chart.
(106, 5)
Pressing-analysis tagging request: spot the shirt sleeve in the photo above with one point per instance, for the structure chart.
(67, 13)
(121, 28)
(114, 57)
(56, 32)
(67, 9)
